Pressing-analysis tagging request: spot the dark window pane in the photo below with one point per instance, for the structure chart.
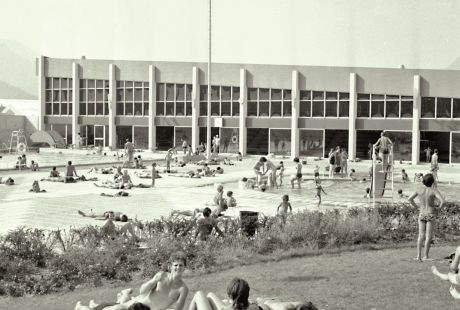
(138, 94)
(226, 108)
(64, 83)
(318, 109)
(48, 108)
(226, 93)
(215, 92)
(305, 95)
(106, 84)
(160, 92)
(331, 96)
(264, 108)
(377, 108)
(128, 83)
(56, 108)
(64, 97)
(392, 109)
(276, 109)
(120, 84)
(160, 107)
(407, 98)
(100, 108)
(287, 108)
(188, 92)
(91, 95)
(82, 83)
(344, 109)
(82, 95)
(252, 108)
(48, 83)
(91, 84)
(428, 105)
(56, 95)
(146, 94)
(99, 83)
(99, 95)
(180, 92)
(188, 109)
(378, 97)
(363, 108)
(252, 94)
(70, 107)
(456, 107)
(305, 109)
(331, 108)
(236, 93)
(91, 108)
(406, 109)
(82, 108)
(180, 109)
(128, 108)
(203, 92)
(318, 95)
(203, 108)
(138, 109)
(276, 94)
(106, 108)
(70, 96)
(287, 94)
(392, 97)
(169, 108)
(443, 108)
(215, 108)
(120, 108)
(106, 95)
(56, 83)
(169, 92)
(129, 94)
(48, 96)
(146, 108)
(64, 109)
(344, 96)
(264, 94)
(137, 84)
(363, 96)
(235, 109)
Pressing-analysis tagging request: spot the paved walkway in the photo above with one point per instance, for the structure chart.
(59, 205)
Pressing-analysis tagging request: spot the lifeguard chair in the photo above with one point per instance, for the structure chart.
(18, 144)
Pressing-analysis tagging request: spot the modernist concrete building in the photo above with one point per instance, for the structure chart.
(256, 109)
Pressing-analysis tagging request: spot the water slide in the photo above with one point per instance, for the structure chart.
(380, 181)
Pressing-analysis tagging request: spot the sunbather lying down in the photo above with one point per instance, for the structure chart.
(215, 211)
(278, 304)
(36, 188)
(117, 194)
(147, 174)
(113, 185)
(101, 170)
(118, 216)
(6, 181)
(68, 179)
(189, 174)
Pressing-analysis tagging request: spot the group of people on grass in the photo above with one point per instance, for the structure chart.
(166, 289)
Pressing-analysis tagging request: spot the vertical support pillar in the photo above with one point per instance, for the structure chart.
(416, 121)
(75, 103)
(352, 118)
(195, 108)
(112, 107)
(243, 112)
(295, 143)
(152, 109)
(41, 92)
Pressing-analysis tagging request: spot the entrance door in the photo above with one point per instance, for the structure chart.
(99, 135)
(455, 147)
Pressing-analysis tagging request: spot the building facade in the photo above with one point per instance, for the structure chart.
(255, 109)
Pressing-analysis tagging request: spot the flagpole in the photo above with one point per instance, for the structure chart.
(208, 129)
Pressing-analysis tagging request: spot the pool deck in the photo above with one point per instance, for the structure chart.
(57, 208)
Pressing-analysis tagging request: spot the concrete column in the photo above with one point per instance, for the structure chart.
(41, 92)
(112, 107)
(75, 103)
(416, 121)
(195, 108)
(295, 143)
(152, 109)
(243, 112)
(352, 118)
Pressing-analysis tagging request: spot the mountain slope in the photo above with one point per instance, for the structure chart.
(8, 91)
(454, 65)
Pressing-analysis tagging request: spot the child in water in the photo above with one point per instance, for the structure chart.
(284, 206)
(405, 177)
(318, 188)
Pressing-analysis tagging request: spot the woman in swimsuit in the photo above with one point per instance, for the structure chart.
(298, 175)
(270, 167)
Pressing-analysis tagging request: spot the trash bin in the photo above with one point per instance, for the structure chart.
(249, 222)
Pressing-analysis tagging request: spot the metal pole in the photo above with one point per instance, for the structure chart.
(208, 129)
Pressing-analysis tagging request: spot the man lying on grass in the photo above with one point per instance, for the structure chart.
(161, 292)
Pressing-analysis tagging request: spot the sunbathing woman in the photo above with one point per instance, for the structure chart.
(218, 205)
(101, 170)
(206, 172)
(237, 291)
(111, 230)
(189, 174)
(6, 181)
(147, 174)
(112, 185)
(102, 216)
(277, 304)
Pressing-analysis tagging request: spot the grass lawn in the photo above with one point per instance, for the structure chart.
(379, 279)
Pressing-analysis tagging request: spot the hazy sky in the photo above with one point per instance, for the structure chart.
(364, 33)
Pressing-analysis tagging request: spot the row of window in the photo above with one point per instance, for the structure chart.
(437, 107)
(58, 83)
